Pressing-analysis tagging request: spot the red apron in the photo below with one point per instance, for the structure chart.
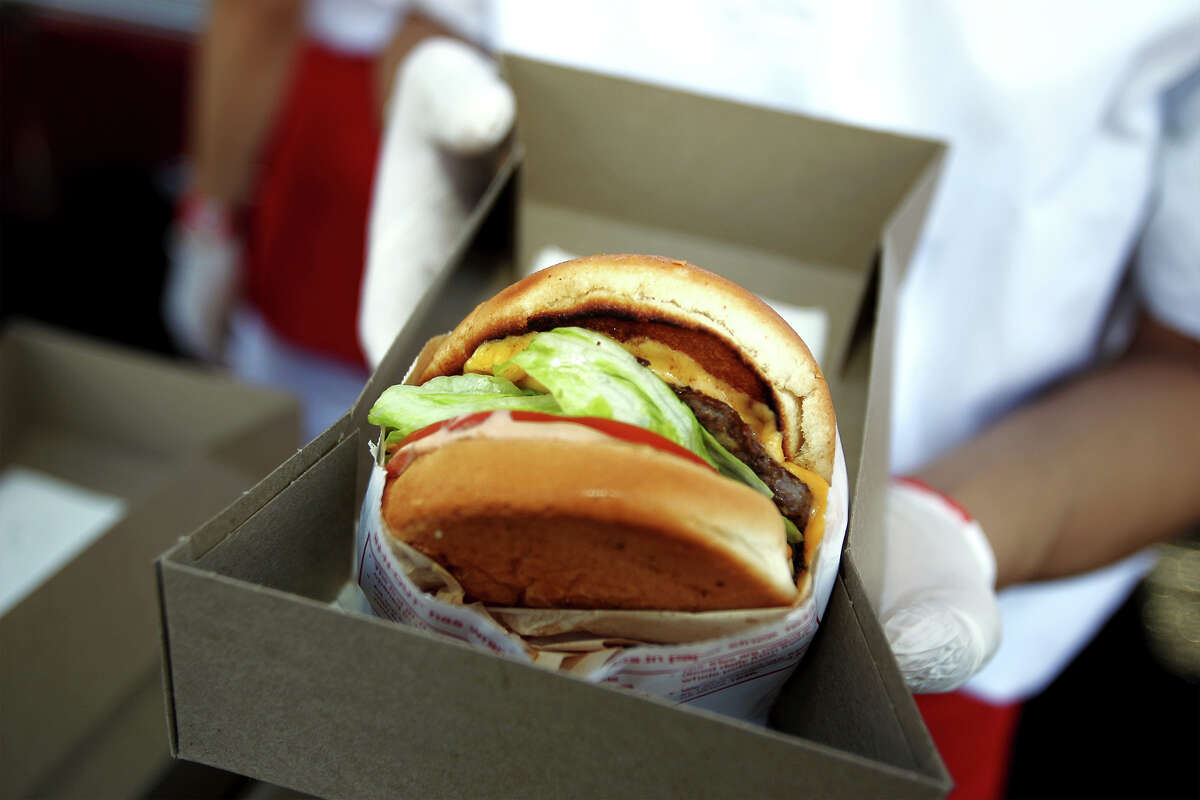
(307, 223)
(975, 740)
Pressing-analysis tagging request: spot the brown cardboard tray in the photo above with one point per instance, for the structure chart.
(269, 675)
(174, 445)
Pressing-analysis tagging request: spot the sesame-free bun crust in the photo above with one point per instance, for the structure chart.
(546, 523)
(727, 320)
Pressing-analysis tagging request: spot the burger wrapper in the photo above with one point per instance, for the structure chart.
(734, 662)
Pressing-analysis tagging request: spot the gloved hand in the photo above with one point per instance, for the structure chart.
(938, 605)
(202, 278)
(447, 111)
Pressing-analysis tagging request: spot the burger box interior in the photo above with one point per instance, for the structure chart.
(267, 674)
(107, 457)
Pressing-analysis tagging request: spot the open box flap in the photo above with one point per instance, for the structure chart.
(874, 361)
(667, 163)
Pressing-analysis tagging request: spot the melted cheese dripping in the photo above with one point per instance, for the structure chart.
(815, 525)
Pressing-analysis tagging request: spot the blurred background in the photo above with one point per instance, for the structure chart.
(94, 94)
(93, 133)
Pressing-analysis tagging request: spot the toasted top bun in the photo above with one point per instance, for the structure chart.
(725, 328)
(548, 523)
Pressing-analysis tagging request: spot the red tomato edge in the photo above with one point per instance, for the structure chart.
(610, 427)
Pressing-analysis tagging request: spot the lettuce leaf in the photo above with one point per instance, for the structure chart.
(586, 373)
(731, 466)
(794, 535)
(403, 409)
(590, 375)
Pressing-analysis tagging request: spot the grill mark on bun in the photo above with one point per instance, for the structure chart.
(718, 358)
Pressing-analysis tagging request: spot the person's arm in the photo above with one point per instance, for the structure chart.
(243, 64)
(1104, 465)
(243, 61)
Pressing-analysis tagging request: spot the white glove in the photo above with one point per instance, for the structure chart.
(938, 605)
(448, 108)
(202, 279)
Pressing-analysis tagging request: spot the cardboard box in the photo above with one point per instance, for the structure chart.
(268, 676)
(166, 447)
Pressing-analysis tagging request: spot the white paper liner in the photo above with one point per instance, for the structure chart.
(734, 662)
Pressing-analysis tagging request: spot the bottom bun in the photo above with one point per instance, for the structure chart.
(555, 524)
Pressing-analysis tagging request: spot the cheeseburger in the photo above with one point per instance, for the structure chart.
(614, 432)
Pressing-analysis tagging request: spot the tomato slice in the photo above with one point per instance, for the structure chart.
(461, 422)
(610, 427)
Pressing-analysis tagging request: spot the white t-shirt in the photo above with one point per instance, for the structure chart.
(365, 27)
(1074, 132)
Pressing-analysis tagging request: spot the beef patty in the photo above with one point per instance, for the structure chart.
(792, 495)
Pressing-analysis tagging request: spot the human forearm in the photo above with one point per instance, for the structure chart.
(1106, 464)
(242, 68)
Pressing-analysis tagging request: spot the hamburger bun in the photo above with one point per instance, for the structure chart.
(540, 522)
(545, 523)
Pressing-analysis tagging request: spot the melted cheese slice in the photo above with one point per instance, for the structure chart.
(489, 354)
(815, 526)
(680, 369)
